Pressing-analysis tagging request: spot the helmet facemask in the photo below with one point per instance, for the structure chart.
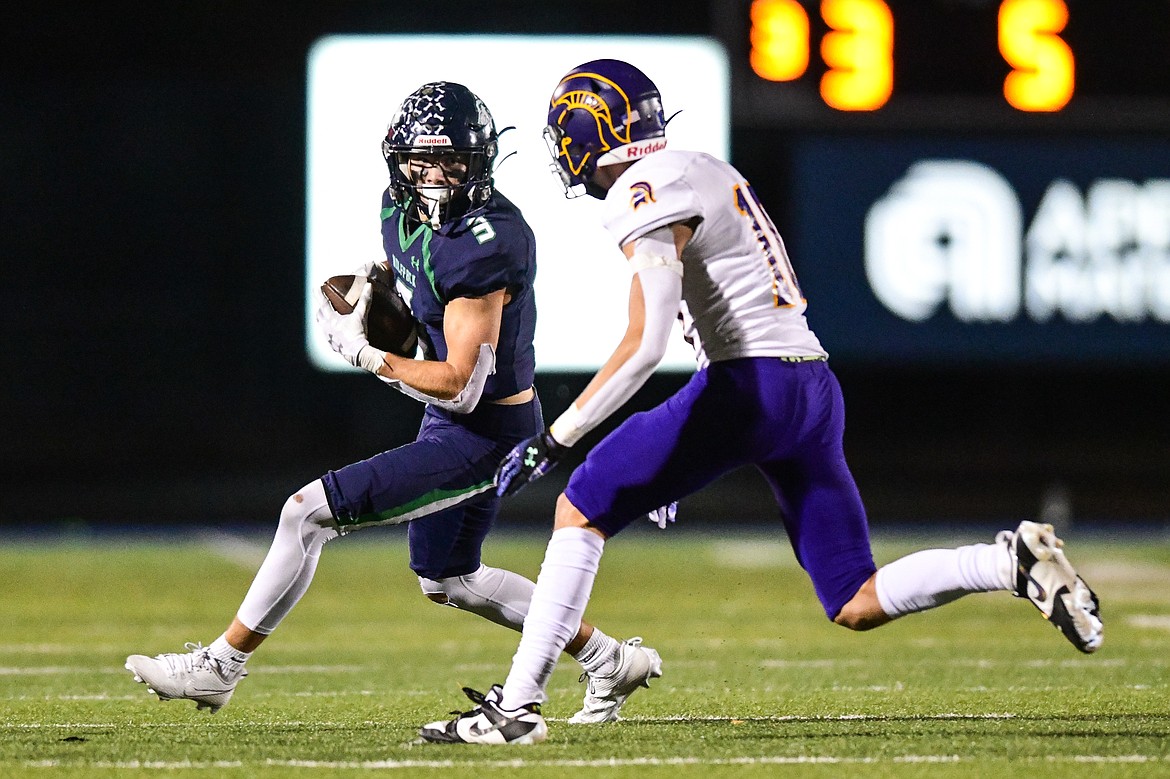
(572, 163)
(442, 184)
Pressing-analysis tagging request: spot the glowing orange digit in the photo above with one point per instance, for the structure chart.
(860, 54)
(779, 39)
(1042, 78)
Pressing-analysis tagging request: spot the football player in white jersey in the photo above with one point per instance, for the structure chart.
(700, 244)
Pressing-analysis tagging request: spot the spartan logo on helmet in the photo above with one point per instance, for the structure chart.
(441, 126)
(602, 113)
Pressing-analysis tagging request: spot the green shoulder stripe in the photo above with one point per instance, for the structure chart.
(429, 268)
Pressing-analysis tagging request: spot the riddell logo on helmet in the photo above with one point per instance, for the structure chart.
(432, 140)
(641, 150)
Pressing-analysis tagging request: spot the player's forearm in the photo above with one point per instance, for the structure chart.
(607, 395)
(654, 298)
(621, 356)
(443, 380)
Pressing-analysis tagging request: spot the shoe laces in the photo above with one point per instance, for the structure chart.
(475, 696)
(196, 658)
(630, 642)
(482, 700)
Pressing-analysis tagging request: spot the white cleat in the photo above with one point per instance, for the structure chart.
(1043, 575)
(193, 675)
(487, 723)
(605, 696)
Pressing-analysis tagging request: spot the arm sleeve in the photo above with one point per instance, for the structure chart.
(467, 399)
(661, 291)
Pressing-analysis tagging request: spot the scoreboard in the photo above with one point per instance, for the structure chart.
(966, 181)
(951, 63)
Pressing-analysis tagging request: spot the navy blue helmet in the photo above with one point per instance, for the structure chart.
(601, 113)
(440, 149)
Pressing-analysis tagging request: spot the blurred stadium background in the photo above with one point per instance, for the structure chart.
(153, 197)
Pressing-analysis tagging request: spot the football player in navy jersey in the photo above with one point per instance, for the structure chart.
(463, 257)
(702, 248)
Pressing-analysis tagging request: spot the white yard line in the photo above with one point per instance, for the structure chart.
(824, 663)
(381, 765)
(53, 670)
(1111, 759)
(1149, 621)
(233, 548)
(825, 718)
(752, 554)
(789, 718)
(38, 649)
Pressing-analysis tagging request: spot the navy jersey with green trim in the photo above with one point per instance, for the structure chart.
(490, 250)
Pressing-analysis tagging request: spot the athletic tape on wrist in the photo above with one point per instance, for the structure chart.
(371, 359)
(565, 431)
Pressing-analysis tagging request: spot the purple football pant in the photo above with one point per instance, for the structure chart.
(786, 418)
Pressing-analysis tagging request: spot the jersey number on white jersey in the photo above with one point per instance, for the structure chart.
(785, 290)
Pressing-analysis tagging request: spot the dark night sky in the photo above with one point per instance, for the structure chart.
(152, 196)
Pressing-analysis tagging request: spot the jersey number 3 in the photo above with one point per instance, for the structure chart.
(785, 290)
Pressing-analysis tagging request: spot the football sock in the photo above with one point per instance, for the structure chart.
(932, 577)
(554, 615)
(306, 523)
(231, 660)
(599, 656)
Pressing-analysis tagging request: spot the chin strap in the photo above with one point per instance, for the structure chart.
(468, 397)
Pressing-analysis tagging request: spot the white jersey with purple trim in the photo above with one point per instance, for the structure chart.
(740, 295)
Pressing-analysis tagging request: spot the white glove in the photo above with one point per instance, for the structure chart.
(346, 333)
(663, 515)
(369, 269)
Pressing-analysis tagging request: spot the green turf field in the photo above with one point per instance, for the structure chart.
(756, 681)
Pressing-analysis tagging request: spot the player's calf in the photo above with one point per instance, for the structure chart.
(864, 610)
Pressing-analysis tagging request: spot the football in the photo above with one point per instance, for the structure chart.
(390, 325)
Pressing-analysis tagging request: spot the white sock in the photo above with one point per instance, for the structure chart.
(930, 578)
(231, 660)
(554, 615)
(599, 656)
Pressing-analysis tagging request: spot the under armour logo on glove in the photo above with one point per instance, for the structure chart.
(527, 462)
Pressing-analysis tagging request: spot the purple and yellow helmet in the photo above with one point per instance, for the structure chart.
(602, 113)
